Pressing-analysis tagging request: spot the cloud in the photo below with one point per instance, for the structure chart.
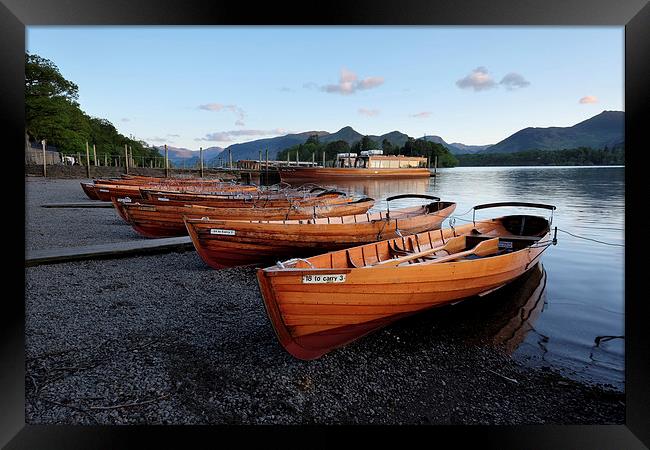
(514, 81)
(349, 83)
(370, 82)
(240, 123)
(479, 80)
(368, 112)
(588, 99)
(216, 107)
(421, 115)
(228, 136)
(125, 119)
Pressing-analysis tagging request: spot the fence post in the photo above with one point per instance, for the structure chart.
(323, 158)
(44, 162)
(166, 162)
(230, 158)
(201, 160)
(126, 159)
(87, 160)
(266, 168)
(313, 158)
(435, 165)
(105, 159)
(94, 155)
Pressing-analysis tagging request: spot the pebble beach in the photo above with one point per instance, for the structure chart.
(164, 339)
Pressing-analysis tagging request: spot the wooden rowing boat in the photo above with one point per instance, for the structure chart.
(89, 190)
(158, 181)
(164, 221)
(106, 191)
(258, 199)
(226, 243)
(230, 201)
(326, 301)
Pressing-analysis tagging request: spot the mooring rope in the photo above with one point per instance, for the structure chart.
(590, 239)
(559, 229)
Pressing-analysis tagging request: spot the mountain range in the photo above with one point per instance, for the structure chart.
(180, 155)
(604, 129)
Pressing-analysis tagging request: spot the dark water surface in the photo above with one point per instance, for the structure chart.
(569, 313)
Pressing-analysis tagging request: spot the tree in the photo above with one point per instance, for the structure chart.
(52, 112)
(313, 139)
(388, 148)
(43, 79)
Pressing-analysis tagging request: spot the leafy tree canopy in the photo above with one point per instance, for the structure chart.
(581, 156)
(52, 113)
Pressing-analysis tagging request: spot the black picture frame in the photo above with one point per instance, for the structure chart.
(15, 15)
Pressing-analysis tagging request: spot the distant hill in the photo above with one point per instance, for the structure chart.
(463, 149)
(457, 148)
(178, 155)
(251, 150)
(604, 129)
(394, 137)
(347, 134)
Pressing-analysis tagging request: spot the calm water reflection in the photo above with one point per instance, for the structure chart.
(568, 314)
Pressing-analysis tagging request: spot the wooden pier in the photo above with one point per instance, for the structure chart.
(107, 251)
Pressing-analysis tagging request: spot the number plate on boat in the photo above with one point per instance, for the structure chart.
(505, 244)
(330, 278)
(222, 232)
(163, 199)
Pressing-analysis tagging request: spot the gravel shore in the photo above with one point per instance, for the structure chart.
(164, 339)
(66, 227)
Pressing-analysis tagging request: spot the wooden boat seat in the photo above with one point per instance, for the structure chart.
(511, 237)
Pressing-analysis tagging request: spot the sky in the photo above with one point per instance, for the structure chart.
(206, 86)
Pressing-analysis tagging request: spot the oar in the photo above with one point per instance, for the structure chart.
(484, 248)
(453, 245)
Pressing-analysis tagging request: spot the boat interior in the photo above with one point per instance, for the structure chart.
(478, 240)
(397, 214)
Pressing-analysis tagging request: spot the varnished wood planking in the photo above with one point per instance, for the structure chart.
(311, 319)
(256, 241)
(146, 219)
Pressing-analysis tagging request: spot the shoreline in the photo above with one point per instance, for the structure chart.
(164, 339)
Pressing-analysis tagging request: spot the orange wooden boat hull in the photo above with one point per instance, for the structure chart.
(291, 174)
(227, 243)
(312, 318)
(237, 204)
(89, 190)
(239, 201)
(166, 221)
(105, 192)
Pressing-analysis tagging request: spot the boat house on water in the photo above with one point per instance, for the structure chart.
(375, 159)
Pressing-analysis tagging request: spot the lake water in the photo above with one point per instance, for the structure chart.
(569, 315)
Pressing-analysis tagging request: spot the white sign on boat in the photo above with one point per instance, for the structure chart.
(329, 278)
(222, 232)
